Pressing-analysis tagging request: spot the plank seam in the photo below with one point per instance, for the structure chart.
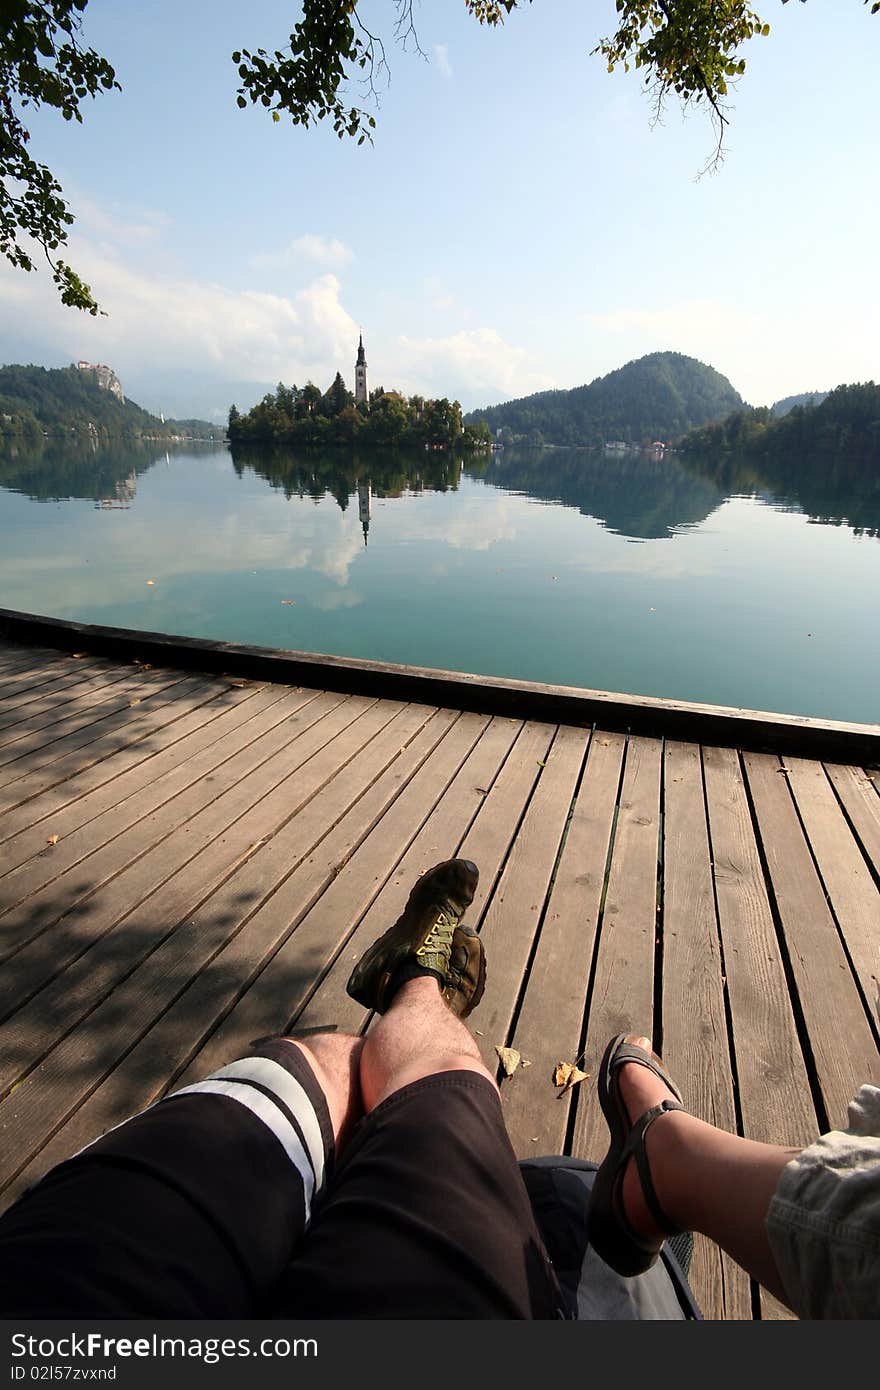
(576, 1099)
(873, 869)
(140, 763)
(153, 811)
(785, 957)
(533, 949)
(834, 917)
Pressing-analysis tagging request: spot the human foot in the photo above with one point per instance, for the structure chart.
(627, 1221)
(427, 938)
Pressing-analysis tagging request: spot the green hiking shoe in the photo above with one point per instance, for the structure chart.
(466, 976)
(426, 931)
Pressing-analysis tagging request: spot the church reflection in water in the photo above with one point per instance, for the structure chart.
(639, 496)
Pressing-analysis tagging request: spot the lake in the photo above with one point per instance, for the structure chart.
(631, 574)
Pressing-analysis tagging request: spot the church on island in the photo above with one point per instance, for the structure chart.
(360, 375)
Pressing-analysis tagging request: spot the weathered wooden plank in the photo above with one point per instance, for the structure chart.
(106, 1010)
(622, 998)
(165, 721)
(82, 834)
(845, 1056)
(16, 708)
(848, 882)
(771, 1077)
(280, 992)
(515, 912)
(492, 833)
(208, 723)
(439, 838)
(85, 720)
(550, 1022)
(858, 793)
(132, 868)
(32, 671)
(91, 743)
(143, 1074)
(694, 1024)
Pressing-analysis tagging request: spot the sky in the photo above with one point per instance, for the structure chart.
(519, 222)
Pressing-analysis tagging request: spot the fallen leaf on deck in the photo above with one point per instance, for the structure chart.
(783, 770)
(133, 702)
(484, 790)
(540, 764)
(568, 1075)
(479, 1032)
(510, 1059)
(525, 1062)
(53, 840)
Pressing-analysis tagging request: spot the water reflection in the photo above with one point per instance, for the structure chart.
(638, 496)
(59, 470)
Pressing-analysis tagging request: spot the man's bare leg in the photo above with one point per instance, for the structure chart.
(706, 1179)
(335, 1060)
(418, 1036)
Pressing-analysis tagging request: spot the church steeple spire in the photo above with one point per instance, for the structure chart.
(360, 374)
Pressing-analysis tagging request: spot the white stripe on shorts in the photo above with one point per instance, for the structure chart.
(273, 1077)
(266, 1110)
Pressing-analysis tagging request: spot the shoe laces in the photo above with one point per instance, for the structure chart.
(439, 938)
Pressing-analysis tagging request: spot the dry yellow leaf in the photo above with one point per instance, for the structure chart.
(510, 1059)
(53, 839)
(567, 1074)
(133, 702)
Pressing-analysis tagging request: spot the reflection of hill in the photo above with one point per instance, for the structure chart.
(56, 470)
(338, 473)
(639, 497)
(836, 490)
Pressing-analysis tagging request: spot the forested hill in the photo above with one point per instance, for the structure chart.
(35, 401)
(845, 425)
(805, 398)
(660, 396)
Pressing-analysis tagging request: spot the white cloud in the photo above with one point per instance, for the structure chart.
(319, 250)
(441, 56)
(133, 228)
(476, 363)
(157, 322)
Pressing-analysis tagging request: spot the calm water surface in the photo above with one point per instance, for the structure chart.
(630, 574)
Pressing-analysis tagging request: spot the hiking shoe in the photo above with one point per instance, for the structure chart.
(466, 976)
(424, 932)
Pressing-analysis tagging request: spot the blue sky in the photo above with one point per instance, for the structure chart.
(518, 223)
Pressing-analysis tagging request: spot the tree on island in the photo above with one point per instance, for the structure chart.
(291, 415)
(691, 50)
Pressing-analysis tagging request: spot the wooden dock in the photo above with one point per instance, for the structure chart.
(192, 861)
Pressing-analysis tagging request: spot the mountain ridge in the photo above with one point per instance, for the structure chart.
(661, 395)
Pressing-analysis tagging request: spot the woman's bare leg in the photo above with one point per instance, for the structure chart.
(706, 1179)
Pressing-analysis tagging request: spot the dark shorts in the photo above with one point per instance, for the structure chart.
(225, 1201)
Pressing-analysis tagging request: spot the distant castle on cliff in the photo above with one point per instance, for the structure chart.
(105, 377)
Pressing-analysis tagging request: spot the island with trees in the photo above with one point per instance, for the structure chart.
(306, 418)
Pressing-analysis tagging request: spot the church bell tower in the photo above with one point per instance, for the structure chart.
(360, 375)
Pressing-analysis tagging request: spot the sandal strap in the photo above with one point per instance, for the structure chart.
(635, 1148)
